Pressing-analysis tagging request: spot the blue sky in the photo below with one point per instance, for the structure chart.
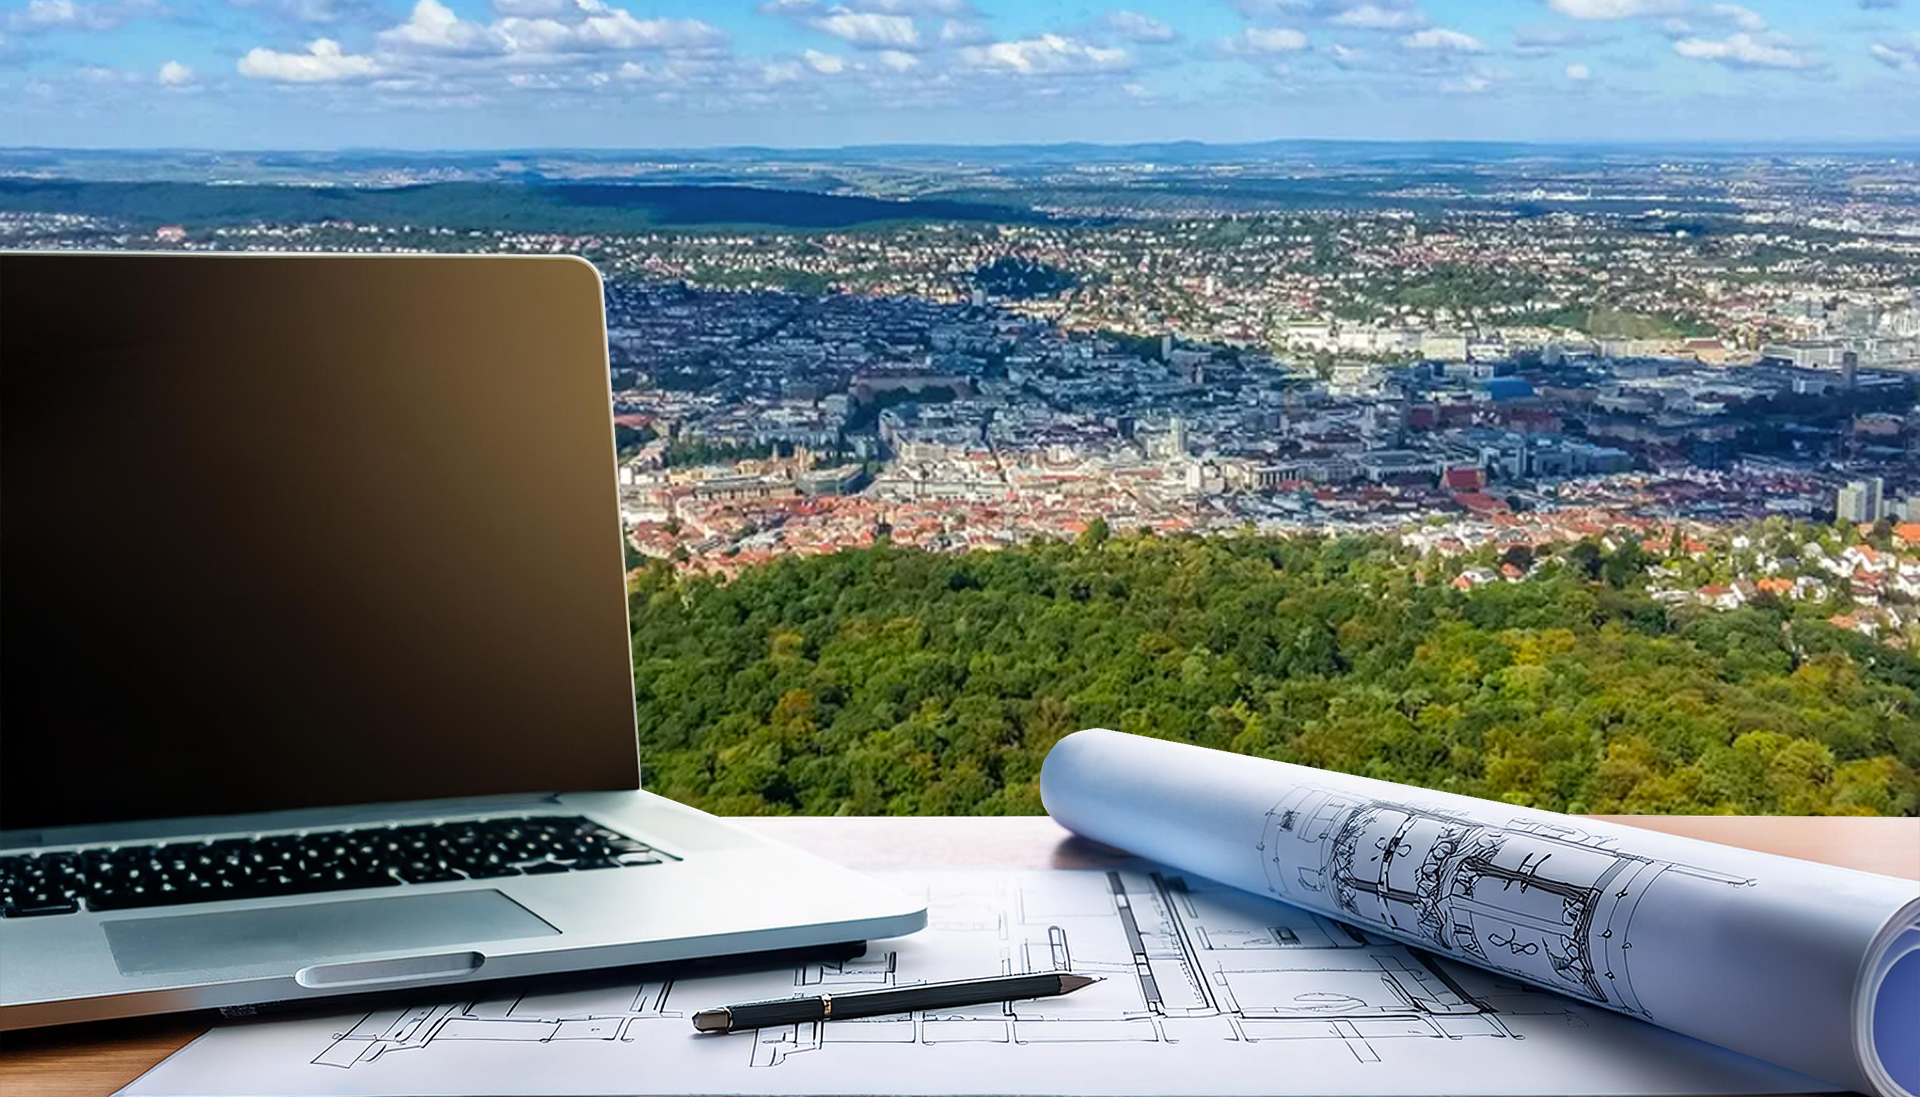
(678, 73)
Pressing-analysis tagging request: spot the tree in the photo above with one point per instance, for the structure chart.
(898, 681)
(1586, 557)
(1096, 533)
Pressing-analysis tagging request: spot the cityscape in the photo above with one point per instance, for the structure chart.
(1580, 477)
(1465, 351)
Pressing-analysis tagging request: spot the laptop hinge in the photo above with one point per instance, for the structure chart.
(142, 830)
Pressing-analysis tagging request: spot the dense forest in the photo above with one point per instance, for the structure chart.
(889, 681)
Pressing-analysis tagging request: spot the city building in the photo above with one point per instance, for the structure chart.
(1860, 501)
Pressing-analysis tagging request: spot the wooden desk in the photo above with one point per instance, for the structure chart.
(99, 1058)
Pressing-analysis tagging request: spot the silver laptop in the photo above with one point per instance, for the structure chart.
(317, 675)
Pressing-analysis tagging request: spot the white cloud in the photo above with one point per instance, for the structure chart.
(323, 63)
(1375, 17)
(869, 30)
(827, 63)
(434, 28)
(810, 10)
(1364, 14)
(913, 7)
(1535, 41)
(1048, 53)
(1345, 57)
(1579, 73)
(102, 75)
(1614, 9)
(173, 74)
(1472, 83)
(44, 15)
(541, 28)
(1745, 51)
(593, 26)
(1136, 27)
(1267, 40)
(533, 9)
(956, 32)
(1442, 40)
(59, 13)
(709, 79)
(1900, 55)
(896, 60)
(782, 72)
(1740, 17)
(312, 12)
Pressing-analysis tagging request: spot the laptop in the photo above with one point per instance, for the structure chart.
(317, 676)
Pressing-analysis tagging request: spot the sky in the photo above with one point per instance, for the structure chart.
(479, 74)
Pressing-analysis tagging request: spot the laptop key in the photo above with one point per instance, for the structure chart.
(138, 896)
(427, 873)
(35, 910)
(186, 872)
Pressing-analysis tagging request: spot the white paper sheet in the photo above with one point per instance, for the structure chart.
(1808, 966)
(1207, 990)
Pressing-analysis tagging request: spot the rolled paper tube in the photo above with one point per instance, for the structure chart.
(1806, 966)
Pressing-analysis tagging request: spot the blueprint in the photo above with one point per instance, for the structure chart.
(1811, 967)
(1206, 989)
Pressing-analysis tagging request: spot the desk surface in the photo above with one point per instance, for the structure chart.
(99, 1058)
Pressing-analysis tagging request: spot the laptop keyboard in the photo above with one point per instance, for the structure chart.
(125, 877)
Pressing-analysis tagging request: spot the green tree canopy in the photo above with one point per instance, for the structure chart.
(894, 681)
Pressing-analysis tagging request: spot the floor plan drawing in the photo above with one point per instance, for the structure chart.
(1198, 980)
(1538, 900)
(1180, 962)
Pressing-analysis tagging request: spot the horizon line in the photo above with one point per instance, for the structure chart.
(1910, 144)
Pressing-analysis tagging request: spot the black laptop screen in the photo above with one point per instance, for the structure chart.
(288, 533)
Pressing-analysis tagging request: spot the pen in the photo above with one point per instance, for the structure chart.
(874, 1003)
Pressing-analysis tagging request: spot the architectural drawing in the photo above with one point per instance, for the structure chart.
(1182, 960)
(1539, 900)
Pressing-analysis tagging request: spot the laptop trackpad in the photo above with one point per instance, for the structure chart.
(301, 935)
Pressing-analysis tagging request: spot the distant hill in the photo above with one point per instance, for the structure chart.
(545, 207)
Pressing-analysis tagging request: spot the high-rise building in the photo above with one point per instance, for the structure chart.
(1861, 501)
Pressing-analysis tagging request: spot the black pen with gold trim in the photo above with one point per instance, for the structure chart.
(876, 1003)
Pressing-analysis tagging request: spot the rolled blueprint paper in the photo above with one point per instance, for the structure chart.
(1807, 966)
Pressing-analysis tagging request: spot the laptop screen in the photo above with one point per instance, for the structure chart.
(291, 532)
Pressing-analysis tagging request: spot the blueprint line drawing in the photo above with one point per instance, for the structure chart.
(1207, 990)
(1543, 901)
(596, 1015)
(1182, 960)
